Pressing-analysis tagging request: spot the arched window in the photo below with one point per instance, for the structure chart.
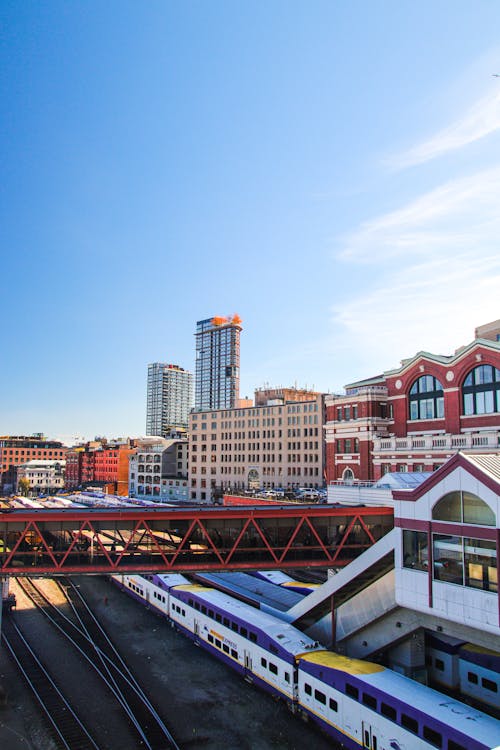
(348, 476)
(481, 390)
(426, 398)
(463, 507)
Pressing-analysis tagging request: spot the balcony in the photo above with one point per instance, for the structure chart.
(488, 440)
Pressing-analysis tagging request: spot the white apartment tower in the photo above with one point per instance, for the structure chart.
(169, 400)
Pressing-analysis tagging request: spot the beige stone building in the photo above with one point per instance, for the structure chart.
(277, 444)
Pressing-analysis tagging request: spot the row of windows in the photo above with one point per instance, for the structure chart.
(405, 719)
(472, 677)
(244, 632)
(222, 646)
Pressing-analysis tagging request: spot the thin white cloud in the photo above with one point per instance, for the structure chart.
(480, 120)
(459, 215)
(434, 268)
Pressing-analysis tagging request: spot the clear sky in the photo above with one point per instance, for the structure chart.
(328, 170)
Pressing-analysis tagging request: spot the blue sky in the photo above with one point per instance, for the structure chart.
(330, 171)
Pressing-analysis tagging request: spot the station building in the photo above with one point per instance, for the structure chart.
(415, 417)
(158, 469)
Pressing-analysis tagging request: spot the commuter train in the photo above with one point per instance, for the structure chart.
(462, 667)
(357, 703)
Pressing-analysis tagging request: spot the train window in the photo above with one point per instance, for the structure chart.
(218, 643)
(320, 697)
(273, 668)
(370, 701)
(211, 613)
(218, 617)
(435, 738)
(225, 648)
(252, 637)
(190, 602)
(489, 685)
(183, 612)
(244, 632)
(225, 621)
(234, 653)
(263, 663)
(388, 711)
(334, 706)
(439, 664)
(409, 723)
(351, 690)
(210, 638)
(307, 689)
(203, 609)
(234, 626)
(452, 745)
(287, 677)
(472, 677)
(197, 606)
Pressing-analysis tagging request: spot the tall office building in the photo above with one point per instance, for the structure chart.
(217, 363)
(170, 398)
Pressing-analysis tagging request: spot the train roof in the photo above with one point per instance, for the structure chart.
(421, 698)
(253, 590)
(289, 638)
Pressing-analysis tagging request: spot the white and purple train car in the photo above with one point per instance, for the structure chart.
(358, 703)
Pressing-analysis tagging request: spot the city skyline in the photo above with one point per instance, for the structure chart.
(331, 173)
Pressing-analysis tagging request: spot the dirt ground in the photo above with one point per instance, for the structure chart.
(202, 701)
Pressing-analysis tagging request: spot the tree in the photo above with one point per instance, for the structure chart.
(24, 486)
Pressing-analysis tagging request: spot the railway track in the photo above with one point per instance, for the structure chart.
(67, 729)
(89, 638)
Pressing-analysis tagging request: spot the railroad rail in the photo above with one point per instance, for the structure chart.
(67, 729)
(92, 642)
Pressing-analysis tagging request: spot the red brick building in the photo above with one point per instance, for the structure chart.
(417, 416)
(16, 450)
(100, 463)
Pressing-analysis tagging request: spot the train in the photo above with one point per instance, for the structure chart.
(464, 668)
(287, 582)
(357, 703)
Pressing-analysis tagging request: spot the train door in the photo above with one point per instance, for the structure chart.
(148, 594)
(369, 734)
(248, 664)
(196, 627)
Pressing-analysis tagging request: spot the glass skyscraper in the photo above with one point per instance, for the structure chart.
(217, 384)
(170, 398)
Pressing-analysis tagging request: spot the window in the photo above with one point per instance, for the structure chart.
(388, 711)
(433, 737)
(234, 653)
(439, 664)
(320, 697)
(370, 701)
(287, 677)
(243, 632)
(409, 723)
(463, 507)
(273, 668)
(452, 745)
(252, 637)
(210, 638)
(472, 678)
(333, 705)
(426, 399)
(263, 663)
(218, 643)
(415, 549)
(489, 685)
(351, 690)
(307, 689)
(481, 391)
(225, 648)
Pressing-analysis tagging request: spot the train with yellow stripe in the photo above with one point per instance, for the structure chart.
(357, 703)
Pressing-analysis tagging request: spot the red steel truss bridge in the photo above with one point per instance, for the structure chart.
(48, 542)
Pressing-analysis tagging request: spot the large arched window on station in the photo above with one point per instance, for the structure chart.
(462, 560)
(481, 390)
(426, 398)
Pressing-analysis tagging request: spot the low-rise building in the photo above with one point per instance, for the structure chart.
(45, 477)
(102, 463)
(18, 449)
(158, 469)
(277, 444)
